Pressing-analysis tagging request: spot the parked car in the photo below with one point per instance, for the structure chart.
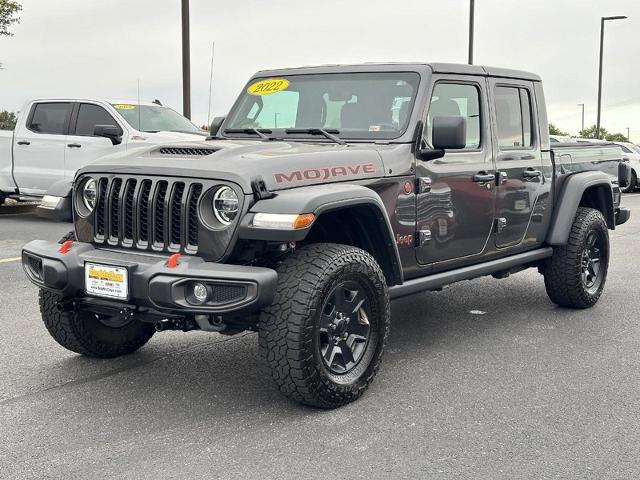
(53, 138)
(631, 155)
(295, 218)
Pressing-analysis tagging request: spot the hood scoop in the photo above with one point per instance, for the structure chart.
(196, 151)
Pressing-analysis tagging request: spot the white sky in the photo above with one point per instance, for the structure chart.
(98, 48)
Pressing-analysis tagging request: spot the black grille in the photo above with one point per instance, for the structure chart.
(186, 151)
(227, 293)
(160, 215)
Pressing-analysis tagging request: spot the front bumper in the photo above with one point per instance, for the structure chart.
(152, 284)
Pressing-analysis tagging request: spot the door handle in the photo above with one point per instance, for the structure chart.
(482, 177)
(74, 145)
(24, 142)
(531, 173)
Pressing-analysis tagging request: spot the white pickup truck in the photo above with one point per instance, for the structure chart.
(55, 137)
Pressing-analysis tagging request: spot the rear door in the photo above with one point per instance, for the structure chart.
(455, 199)
(518, 156)
(82, 146)
(40, 146)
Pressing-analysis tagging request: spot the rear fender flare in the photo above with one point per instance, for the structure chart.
(569, 198)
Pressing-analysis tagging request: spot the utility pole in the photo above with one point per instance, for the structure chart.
(186, 62)
(582, 105)
(602, 20)
(628, 135)
(471, 25)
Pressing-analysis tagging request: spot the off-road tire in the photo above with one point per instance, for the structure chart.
(83, 333)
(69, 236)
(563, 271)
(633, 184)
(288, 328)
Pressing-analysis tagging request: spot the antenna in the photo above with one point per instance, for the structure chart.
(139, 120)
(213, 45)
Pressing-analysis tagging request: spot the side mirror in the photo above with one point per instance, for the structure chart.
(449, 132)
(624, 175)
(111, 132)
(215, 126)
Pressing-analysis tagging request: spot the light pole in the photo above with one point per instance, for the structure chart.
(582, 105)
(471, 24)
(602, 20)
(628, 135)
(186, 62)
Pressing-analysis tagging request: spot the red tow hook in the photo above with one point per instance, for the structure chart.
(172, 262)
(66, 246)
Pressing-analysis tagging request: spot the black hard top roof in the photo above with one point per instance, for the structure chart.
(451, 68)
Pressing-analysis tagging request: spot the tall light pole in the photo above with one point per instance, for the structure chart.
(628, 135)
(582, 105)
(186, 61)
(471, 24)
(602, 20)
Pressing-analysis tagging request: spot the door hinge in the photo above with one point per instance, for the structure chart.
(423, 184)
(423, 237)
(501, 224)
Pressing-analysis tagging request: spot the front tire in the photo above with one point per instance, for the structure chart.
(633, 184)
(324, 334)
(88, 333)
(576, 273)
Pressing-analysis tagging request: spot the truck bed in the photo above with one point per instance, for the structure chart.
(575, 157)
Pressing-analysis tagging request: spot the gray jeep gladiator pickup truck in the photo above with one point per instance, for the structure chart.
(324, 194)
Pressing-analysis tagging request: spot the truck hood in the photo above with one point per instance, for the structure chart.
(280, 164)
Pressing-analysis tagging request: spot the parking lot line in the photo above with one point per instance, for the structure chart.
(9, 260)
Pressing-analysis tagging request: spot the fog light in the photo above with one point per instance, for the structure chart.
(199, 293)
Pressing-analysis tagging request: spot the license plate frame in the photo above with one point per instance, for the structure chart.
(106, 287)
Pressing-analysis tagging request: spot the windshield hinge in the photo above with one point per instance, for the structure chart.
(260, 190)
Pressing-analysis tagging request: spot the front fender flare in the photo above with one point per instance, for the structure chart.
(320, 199)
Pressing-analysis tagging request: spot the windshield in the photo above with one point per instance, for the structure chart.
(154, 118)
(365, 106)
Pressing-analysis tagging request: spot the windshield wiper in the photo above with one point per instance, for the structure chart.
(248, 131)
(318, 131)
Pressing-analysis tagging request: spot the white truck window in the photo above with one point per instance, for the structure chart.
(49, 118)
(89, 116)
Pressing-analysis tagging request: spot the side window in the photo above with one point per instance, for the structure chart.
(457, 99)
(89, 116)
(625, 149)
(513, 117)
(49, 118)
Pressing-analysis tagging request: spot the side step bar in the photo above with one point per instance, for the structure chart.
(438, 280)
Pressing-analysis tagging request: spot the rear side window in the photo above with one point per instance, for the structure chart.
(513, 117)
(49, 118)
(89, 116)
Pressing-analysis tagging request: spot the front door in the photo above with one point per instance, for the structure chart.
(455, 199)
(518, 159)
(82, 146)
(40, 147)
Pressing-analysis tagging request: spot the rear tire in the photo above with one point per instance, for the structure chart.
(576, 273)
(633, 184)
(324, 334)
(87, 334)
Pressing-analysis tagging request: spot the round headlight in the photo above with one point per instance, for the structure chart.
(89, 194)
(225, 205)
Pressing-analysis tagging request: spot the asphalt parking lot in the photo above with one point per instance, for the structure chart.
(485, 380)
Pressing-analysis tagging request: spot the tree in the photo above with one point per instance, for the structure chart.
(8, 16)
(7, 120)
(616, 137)
(609, 137)
(553, 130)
(591, 132)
